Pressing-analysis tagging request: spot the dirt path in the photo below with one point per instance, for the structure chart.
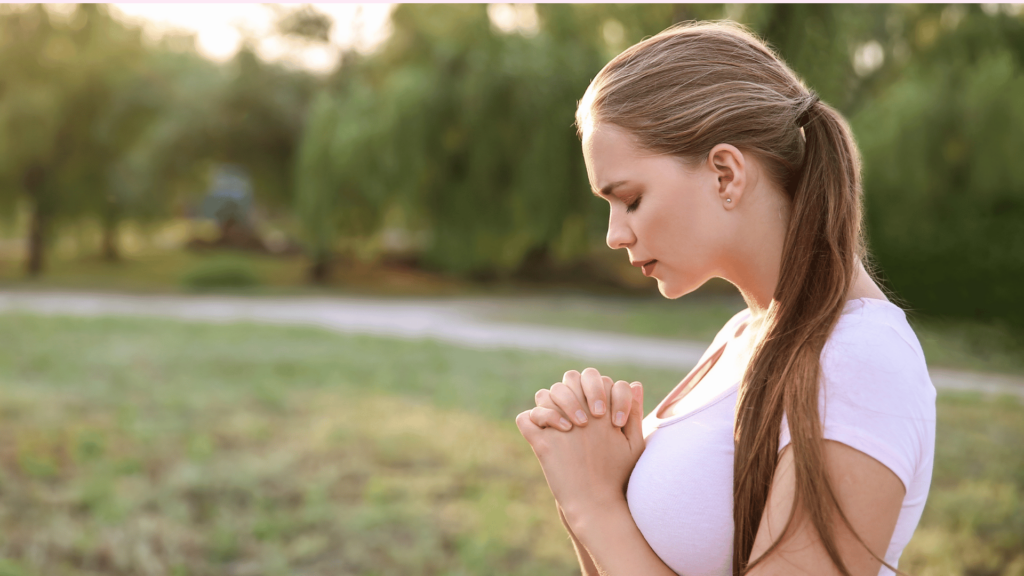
(448, 320)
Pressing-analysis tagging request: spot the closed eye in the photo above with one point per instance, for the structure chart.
(632, 207)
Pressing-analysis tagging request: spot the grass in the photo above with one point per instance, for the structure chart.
(163, 271)
(142, 447)
(166, 448)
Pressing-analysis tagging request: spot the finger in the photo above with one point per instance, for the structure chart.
(593, 389)
(567, 401)
(571, 378)
(544, 400)
(548, 418)
(622, 400)
(634, 428)
(526, 427)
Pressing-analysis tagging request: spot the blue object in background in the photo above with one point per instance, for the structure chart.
(229, 200)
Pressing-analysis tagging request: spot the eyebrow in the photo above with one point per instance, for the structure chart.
(607, 190)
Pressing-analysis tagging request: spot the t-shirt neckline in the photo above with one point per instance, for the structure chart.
(849, 305)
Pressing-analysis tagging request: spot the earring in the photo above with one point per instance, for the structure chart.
(728, 199)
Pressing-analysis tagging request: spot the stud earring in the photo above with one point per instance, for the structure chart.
(728, 199)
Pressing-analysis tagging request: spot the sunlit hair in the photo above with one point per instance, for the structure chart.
(680, 93)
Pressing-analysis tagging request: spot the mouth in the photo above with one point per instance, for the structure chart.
(648, 267)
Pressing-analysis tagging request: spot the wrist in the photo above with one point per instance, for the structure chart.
(586, 519)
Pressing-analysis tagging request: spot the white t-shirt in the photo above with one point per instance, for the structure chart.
(876, 396)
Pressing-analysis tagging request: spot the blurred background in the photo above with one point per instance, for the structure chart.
(195, 160)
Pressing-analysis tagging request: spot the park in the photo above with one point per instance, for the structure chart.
(259, 318)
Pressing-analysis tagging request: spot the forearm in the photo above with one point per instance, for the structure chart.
(587, 567)
(614, 542)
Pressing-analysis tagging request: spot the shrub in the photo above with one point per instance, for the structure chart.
(220, 272)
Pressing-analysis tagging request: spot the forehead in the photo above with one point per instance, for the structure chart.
(608, 148)
(613, 154)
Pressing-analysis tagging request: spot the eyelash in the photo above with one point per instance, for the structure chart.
(632, 207)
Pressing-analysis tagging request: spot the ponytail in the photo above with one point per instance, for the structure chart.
(823, 244)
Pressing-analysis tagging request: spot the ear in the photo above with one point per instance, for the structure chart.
(730, 167)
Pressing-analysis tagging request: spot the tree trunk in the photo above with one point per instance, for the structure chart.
(109, 249)
(35, 258)
(320, 270)
(33, 181)
(111, 253)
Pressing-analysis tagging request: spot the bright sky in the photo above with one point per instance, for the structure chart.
(220, 28)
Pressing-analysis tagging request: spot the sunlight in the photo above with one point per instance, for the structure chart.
(221, 29)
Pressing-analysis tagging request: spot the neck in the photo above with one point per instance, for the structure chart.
(755, 269)
(758, 284)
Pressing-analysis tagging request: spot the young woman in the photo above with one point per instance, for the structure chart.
(802, 443)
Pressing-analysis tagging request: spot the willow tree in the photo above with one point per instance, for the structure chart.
(468, 131)
(944, 185)
(74, 99)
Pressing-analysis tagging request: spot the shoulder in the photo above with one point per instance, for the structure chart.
(876, 394)
(874, 354)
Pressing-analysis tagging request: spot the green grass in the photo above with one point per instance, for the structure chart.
(249, 449)
(169, 271)
(159, 447)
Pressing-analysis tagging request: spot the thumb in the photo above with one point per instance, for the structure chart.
(634, 428)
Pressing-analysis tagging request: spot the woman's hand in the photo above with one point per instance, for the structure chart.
(588, 468)
(562, 405)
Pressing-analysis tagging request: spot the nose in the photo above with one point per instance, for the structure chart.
(620, 235)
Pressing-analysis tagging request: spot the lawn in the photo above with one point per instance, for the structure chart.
(163, 271)
(157, 447)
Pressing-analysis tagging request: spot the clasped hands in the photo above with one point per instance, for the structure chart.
(586, 457)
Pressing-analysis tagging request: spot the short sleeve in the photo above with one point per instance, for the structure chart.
(876, 395)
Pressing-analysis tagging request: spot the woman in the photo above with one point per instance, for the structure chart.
(718, 162)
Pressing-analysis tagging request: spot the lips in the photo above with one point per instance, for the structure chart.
(647, 265)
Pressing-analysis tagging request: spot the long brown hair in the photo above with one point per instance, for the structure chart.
(680, 93)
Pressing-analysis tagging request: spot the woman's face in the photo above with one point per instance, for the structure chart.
(661, 209)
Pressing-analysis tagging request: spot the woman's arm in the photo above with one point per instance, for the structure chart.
(870, 495)
(587, 567)
(616, 545)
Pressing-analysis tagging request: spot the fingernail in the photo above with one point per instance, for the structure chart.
(620, 418)
(580, 416)
(598, 407)
(565, 423)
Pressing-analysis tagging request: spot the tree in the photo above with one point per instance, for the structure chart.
(944, 186)
(466, 131)
(70, 104)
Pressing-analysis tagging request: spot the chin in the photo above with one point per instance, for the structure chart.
(670, 291)
(673, 290)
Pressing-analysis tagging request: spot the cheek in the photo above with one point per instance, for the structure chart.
(675, 227)
(686, 236)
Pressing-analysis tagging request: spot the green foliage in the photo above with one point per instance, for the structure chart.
(460, 133)
(468, 130)
(314, 193)
(95, 124)
(74, 99)
(222, 271)
(944, 184)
